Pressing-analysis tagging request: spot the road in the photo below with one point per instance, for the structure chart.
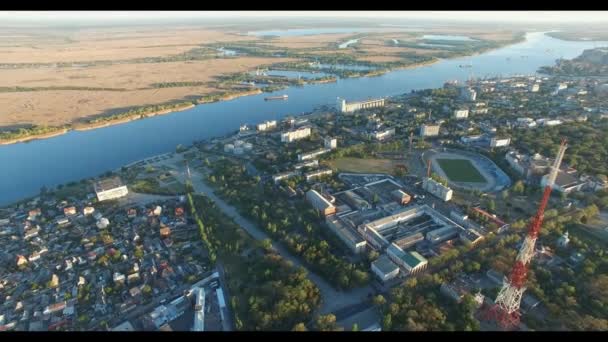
(333, 300)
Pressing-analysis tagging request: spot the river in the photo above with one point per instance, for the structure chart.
(26, 167)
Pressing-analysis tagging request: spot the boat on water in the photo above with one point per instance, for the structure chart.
(465, 65)
(282, 97)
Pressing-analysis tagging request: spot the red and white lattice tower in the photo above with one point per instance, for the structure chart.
(505, 310)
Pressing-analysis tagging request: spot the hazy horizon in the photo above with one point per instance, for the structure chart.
(37, 18)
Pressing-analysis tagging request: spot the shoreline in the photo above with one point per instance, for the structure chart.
(225, 97)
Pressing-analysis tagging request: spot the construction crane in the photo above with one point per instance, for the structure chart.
(505, 310)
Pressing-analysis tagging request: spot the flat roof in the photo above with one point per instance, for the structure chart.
(108, 184)
(413, 259)
(125, 326)
(319, 197)
(346, 232)
(384, 264)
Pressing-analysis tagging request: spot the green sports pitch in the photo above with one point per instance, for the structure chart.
(461, 170)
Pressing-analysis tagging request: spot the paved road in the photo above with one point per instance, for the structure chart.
(333, 299)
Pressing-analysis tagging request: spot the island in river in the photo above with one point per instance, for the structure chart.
(81, 79)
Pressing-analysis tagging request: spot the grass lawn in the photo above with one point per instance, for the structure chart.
(461, 170)
(358, 165)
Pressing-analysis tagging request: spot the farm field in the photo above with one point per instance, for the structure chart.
(461, 170)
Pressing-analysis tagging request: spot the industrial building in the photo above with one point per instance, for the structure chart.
(410, 262)
(437, 189)
(429, 130)
(345, 233)
(442, 234)
(344, 107)
(267, 125)
(313, 154)
(384, 268)
(317, 173)
(296, 134)
(405, 227)
(110, 188)
(320, 203)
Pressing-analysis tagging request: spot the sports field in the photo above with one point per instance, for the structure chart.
(461, 170)
(368, 165)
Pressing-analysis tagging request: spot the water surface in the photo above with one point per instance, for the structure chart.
(25, 167)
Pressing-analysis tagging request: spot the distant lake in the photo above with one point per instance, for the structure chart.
(26, 167)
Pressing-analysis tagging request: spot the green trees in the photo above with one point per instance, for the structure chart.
(147, 290)
(326, 323)
(519, 187)
(295, 227)
(299, 327)
(268, 293)
(379, 300)
(492, 205)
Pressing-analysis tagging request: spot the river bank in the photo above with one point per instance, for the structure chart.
(91, 126)
(226, 96)
(78, 155)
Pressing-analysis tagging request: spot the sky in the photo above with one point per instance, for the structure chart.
(510, 16)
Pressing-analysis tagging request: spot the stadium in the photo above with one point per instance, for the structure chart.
(467, 170)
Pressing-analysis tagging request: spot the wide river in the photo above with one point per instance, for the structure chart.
(26, 167)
